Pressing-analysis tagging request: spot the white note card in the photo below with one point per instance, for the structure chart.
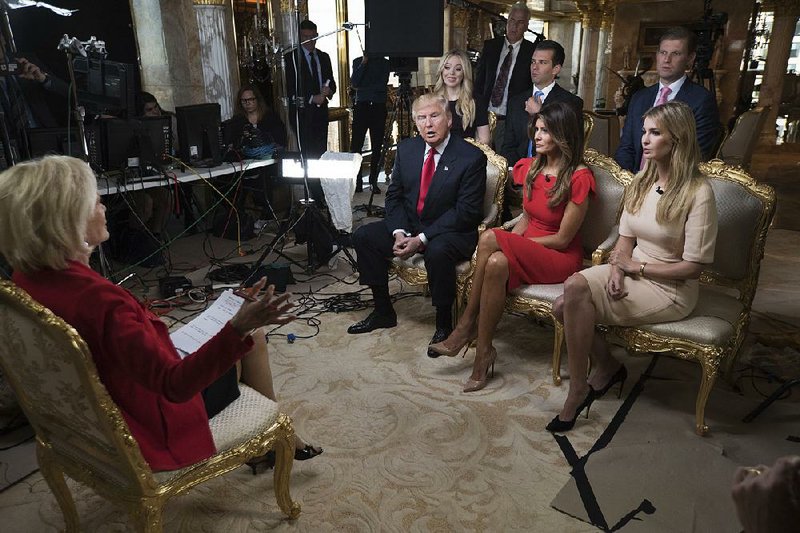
(193, 335)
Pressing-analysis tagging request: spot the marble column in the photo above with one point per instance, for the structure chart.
(215, 45)
(591, 20)
(166, 37)
(786, 13)
(603, 59)
(567, 32)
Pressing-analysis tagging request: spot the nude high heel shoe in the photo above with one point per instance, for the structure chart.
(473, 385)
(442, 349)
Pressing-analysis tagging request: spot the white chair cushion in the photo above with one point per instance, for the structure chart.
(243, 419)
(249, 415)
(545, 293)
(711, 322)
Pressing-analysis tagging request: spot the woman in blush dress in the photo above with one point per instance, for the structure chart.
(667, 236)
(543, 247)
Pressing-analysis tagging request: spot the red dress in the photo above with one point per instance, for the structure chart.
(530, 262)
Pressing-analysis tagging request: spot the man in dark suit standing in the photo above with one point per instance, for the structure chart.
(544, 68)
(369, 79)
(316, 86)
(309, 117)
(676, 53)
(433, 206)
(502, 69)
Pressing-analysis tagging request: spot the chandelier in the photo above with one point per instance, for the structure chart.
(259, 51)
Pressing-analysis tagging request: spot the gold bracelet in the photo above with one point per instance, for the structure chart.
(641, 269)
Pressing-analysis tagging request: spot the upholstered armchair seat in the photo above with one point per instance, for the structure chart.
(239, 422)
(713, 321)
(81, 433)
(547, 293)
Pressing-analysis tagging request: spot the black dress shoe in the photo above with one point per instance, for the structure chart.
(438, 336)
(306, 453)
(376, 189)
(372, 322)
(359, 186)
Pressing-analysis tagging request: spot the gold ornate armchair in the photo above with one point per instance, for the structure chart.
(738, 146)
(714, 331)
(80, 432)
(604, 133)
(597, 229)
(588, 127)
(492, 124)
(412, 270)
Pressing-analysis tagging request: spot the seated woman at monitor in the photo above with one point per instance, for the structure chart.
(165, 400)
(454, 82)
(255, 130)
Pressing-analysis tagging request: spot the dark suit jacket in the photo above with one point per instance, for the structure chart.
(706, 114)
(313, 120)
(486, 70)
(515, 142)
(454, 203)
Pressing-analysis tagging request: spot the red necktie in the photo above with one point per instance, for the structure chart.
(502, 79)
(427, 176)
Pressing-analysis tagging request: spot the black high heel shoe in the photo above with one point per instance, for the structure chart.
(619, 376)
(306, 453)
(557, 425)
(262, 463)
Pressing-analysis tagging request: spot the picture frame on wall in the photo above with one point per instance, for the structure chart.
(651, 32)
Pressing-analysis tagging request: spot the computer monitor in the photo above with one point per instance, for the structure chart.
(117, 143)
(43, 141)
(155, 140)
(105, 87)
(199, 134)
(143, 142)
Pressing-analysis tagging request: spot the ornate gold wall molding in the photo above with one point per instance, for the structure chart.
(209, 2)
(591, 13)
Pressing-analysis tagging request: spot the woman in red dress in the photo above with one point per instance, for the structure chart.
(542, 247)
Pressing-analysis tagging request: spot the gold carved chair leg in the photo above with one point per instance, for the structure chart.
(148, 514)
(54, 477)
(284, 458)
(558, 343)
(710, 367)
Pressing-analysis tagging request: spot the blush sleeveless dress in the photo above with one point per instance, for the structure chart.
(649, 300)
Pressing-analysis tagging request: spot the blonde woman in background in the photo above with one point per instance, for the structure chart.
(454, 82)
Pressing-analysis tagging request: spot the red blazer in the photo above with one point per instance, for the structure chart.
(157, 391)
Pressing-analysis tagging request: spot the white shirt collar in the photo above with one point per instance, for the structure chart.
(675, 86)
(545, 90)
(439, 149)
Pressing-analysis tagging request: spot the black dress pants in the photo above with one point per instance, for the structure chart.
(369, 116)
(373, 244)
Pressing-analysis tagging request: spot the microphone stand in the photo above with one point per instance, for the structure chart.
(309, 214)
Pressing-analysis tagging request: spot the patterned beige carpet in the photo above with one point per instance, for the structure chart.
(406, 450)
